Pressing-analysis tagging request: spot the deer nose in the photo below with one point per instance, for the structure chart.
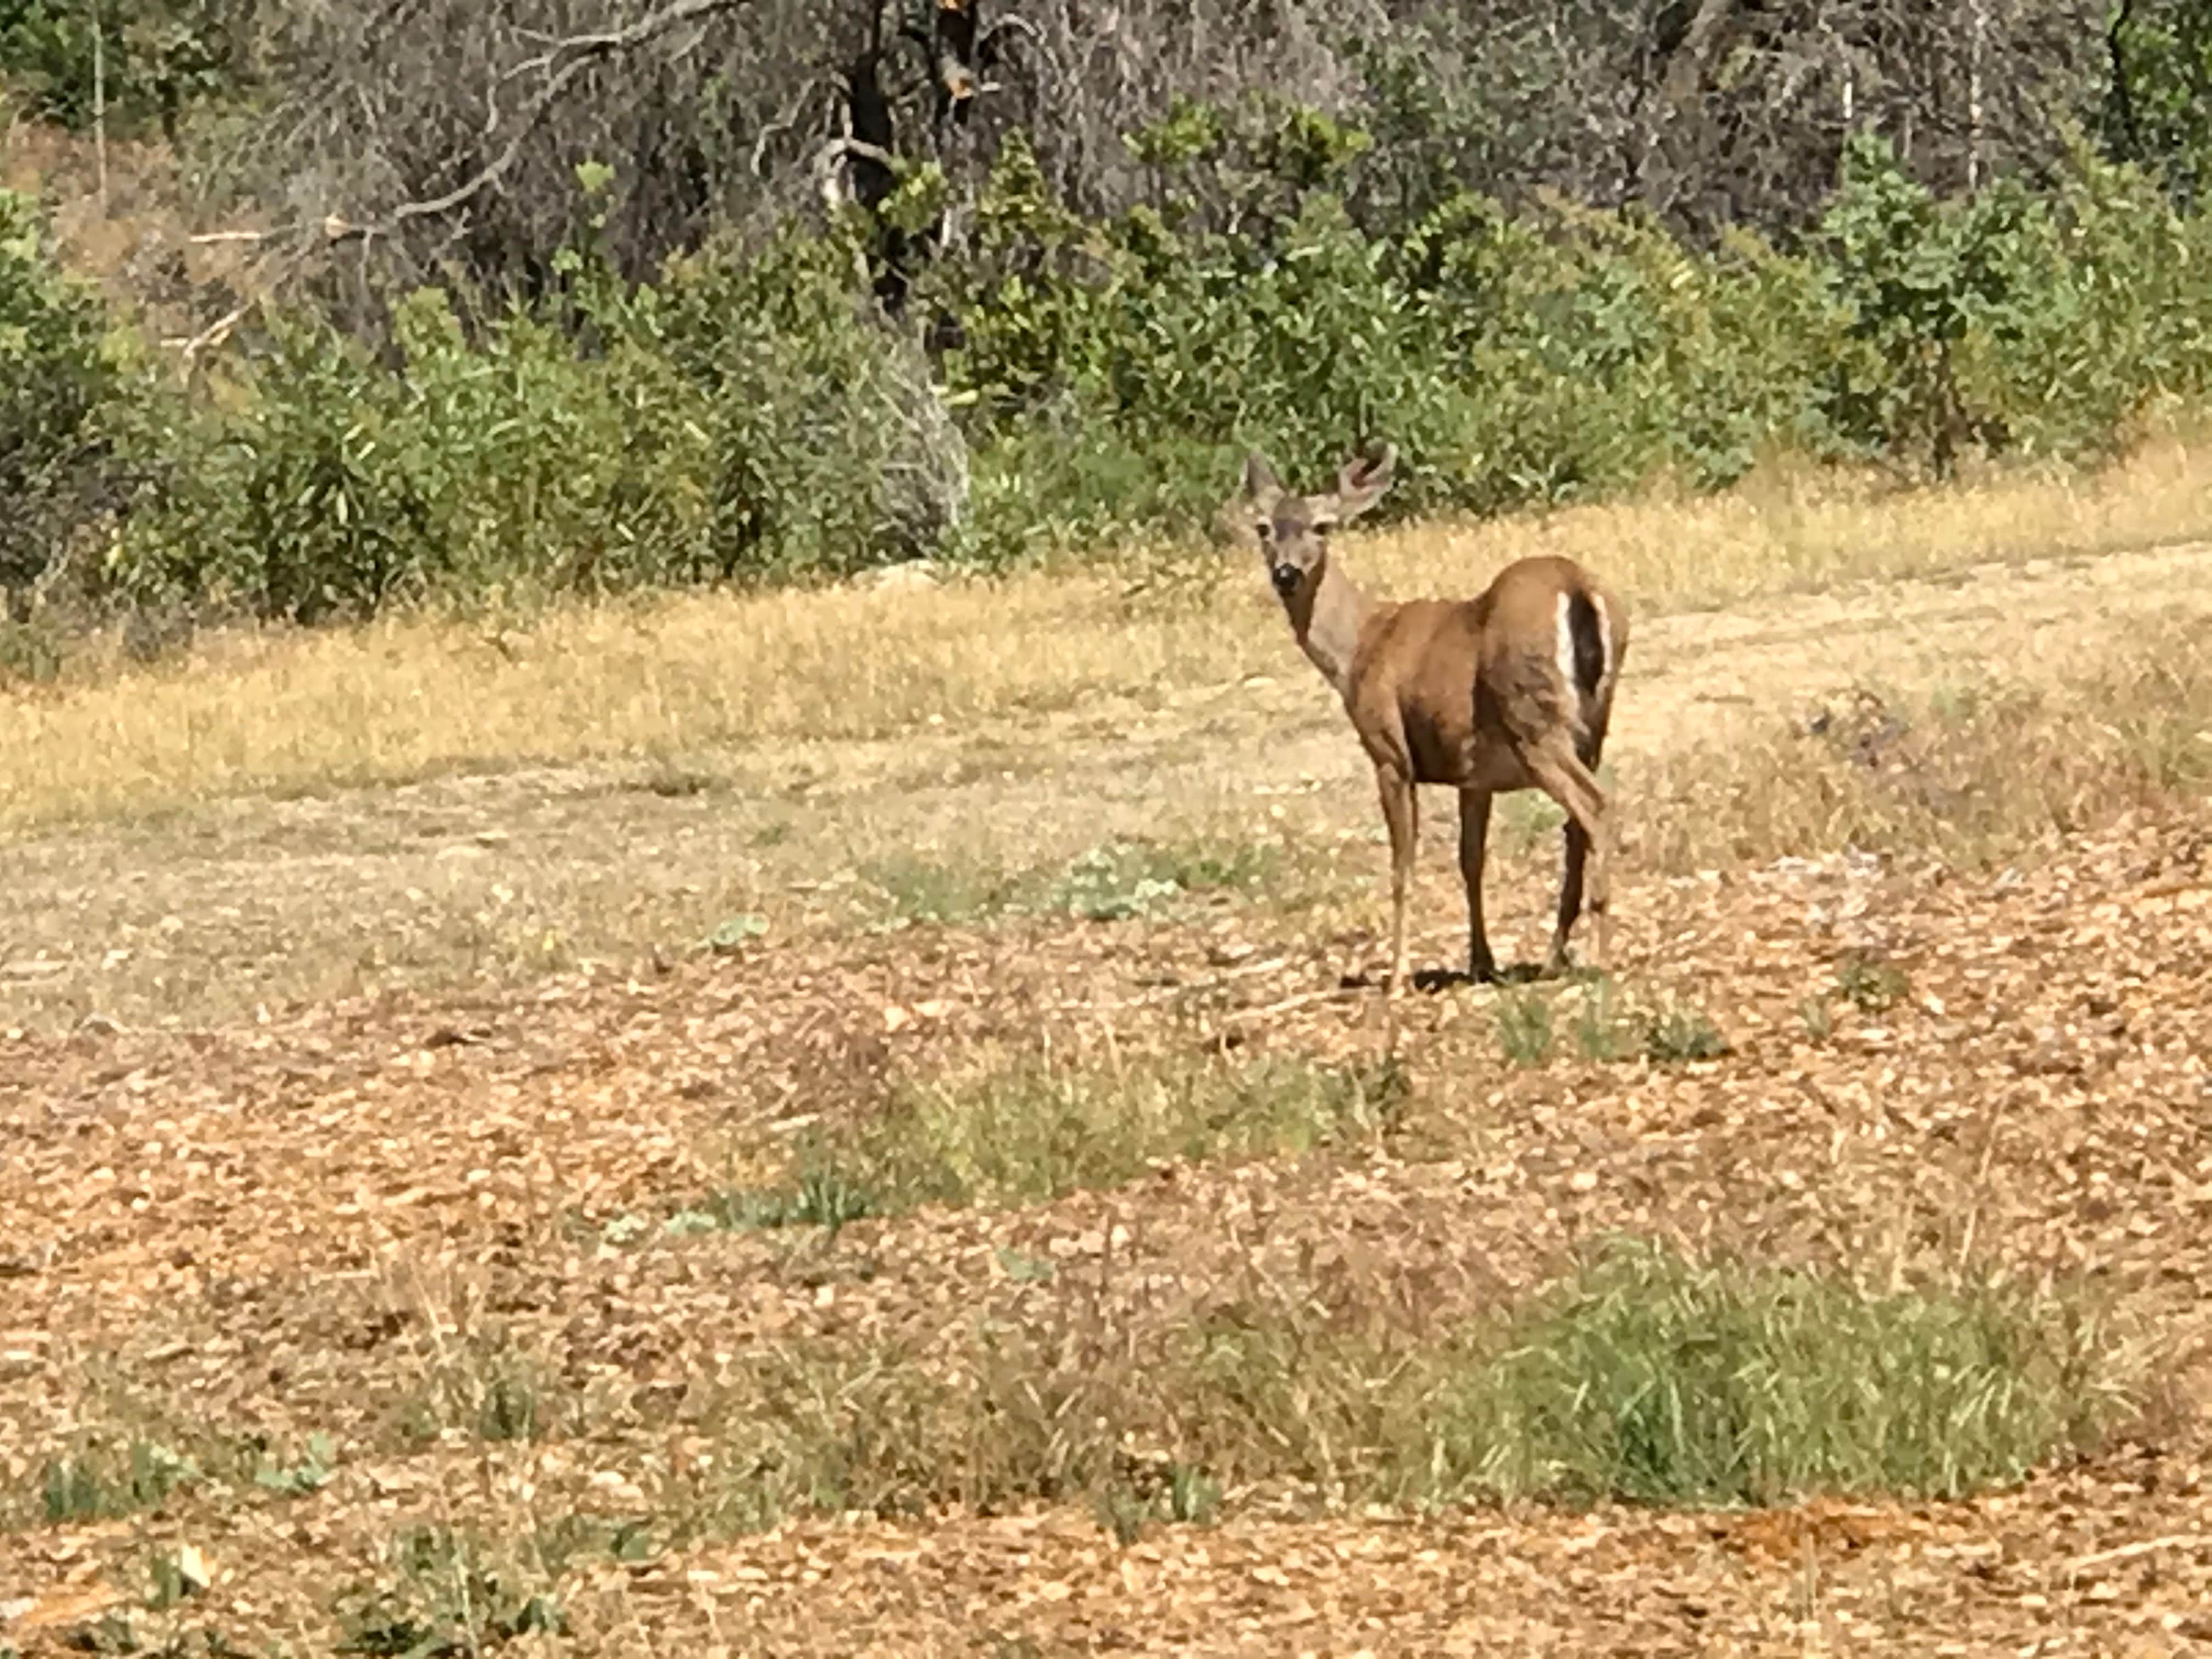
(1286, 578)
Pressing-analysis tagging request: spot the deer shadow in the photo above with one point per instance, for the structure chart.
(1431, 980)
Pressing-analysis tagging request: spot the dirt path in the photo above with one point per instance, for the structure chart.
(497, 879)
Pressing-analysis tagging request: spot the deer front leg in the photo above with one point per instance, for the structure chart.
(1401, 815)
(1474, 843)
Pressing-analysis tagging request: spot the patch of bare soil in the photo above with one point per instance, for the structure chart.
(258, 1233)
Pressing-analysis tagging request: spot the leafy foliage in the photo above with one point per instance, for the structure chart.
(743, 419)
(56, 372)
(156, 57)
(1063, 379)
(2158, 107)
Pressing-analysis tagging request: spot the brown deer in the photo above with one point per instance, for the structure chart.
(1509, 691)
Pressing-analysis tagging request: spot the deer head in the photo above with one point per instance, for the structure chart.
(1293, 529)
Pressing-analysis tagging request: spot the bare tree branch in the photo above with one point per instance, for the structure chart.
(563, 63)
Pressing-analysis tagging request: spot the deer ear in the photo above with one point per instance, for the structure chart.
(1361, 481)
(1262, 487)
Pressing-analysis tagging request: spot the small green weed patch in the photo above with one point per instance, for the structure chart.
(100, 1482)
(1035, 1131)
(1113, 882)
(1653, 1380)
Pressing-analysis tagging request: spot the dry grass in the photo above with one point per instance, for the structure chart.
(415, 697)
(1640, 1376)
(1999, 760)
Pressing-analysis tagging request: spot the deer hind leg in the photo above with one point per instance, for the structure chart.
(1473, 843)
(1571, 894)
(1576, 853)
(1559, 772)
(1401, 815)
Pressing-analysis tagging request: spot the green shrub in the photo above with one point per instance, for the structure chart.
(157, 57)
(744, 420)
(2117, 317)
(340, 484)
(2159, 106)
(831, 448)
(750, 415)
(57, 375)
(1111, 372)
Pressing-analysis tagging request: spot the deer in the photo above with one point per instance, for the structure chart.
(1510, 690)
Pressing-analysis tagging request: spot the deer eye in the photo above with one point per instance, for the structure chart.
(1267, 529)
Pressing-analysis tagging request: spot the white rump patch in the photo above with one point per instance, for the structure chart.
(1567, 644)
(1604, 642)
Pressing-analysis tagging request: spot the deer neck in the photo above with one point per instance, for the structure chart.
(1328, 618)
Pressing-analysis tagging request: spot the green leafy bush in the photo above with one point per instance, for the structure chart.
(743, 419)
(750, 415)
(1111, 371)
(339, 484)
(56, 375)
(830, 449)
(156, 56)
(2159, 103)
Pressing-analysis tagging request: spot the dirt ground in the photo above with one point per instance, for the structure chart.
(304, 1101)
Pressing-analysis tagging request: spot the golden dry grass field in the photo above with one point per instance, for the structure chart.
(850, 1121)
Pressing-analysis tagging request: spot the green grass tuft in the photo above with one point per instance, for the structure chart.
(101, 1483)
(1650, 1379)
(1674, 1035)
(1870, 983)
(1524, 1027)
(1601, 1032)
(1035, 1132)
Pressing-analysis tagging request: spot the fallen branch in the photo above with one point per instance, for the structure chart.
(1304, 998)
(2118, 1553)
